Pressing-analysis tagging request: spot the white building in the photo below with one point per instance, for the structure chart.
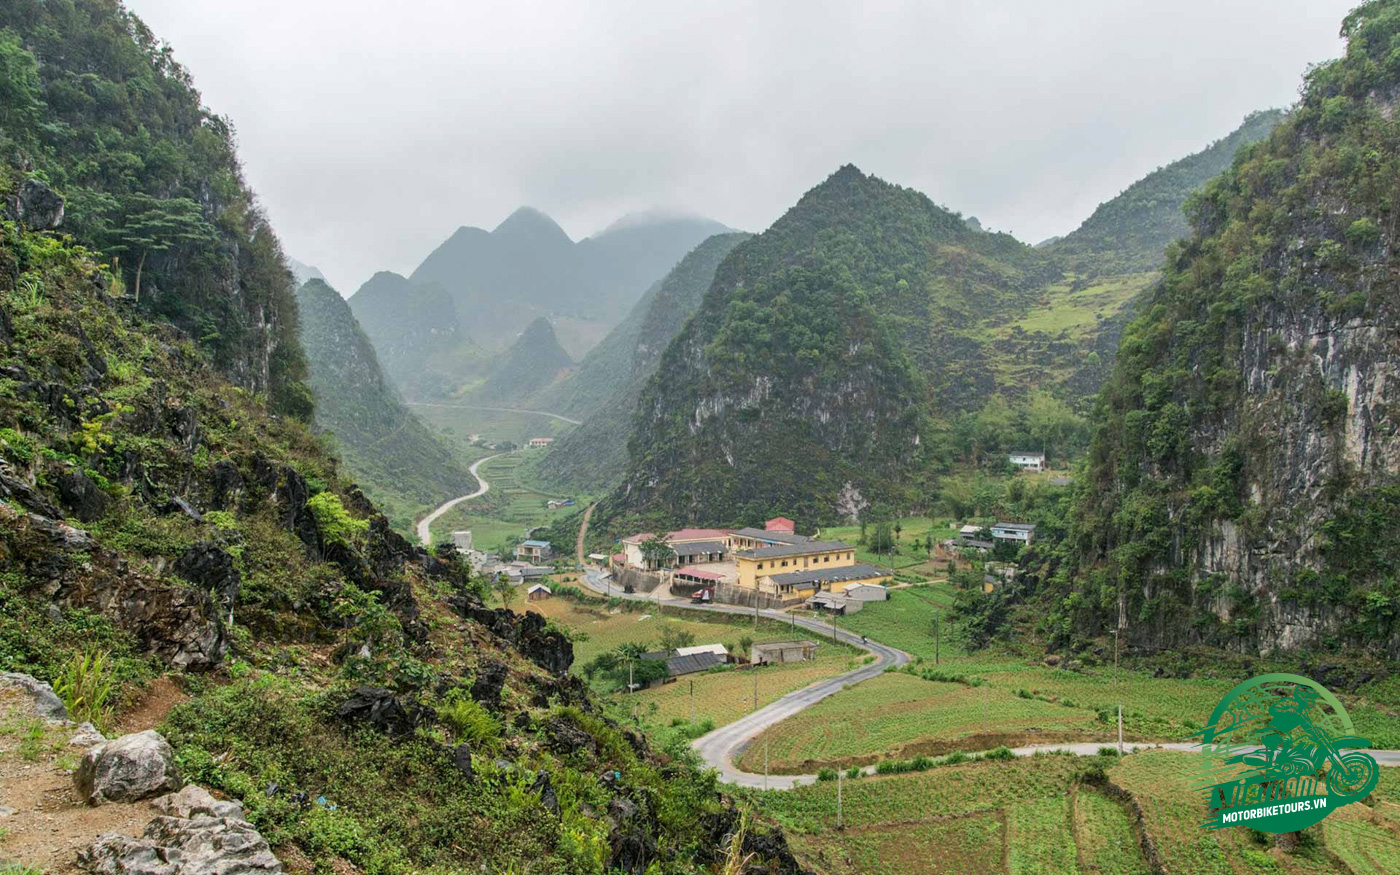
(867, 592)
(539, 443)
(1027, 461)
(1021, 533)
(462, 541)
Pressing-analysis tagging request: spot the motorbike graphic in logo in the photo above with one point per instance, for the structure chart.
(1279, 755)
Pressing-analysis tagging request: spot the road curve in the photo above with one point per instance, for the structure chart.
(425, 535)
(558, 416)
(719, 748)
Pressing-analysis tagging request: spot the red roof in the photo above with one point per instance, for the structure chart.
(780, 524)
(698, 573)
(698, 535)
(619, 557)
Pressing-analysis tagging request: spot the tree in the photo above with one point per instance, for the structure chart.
(503, 587)
(155, 225)
(674, 638)
(656, 553)
(882, 541)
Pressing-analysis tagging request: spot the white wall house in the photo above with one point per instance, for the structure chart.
(1027, 461)
(1021, 533)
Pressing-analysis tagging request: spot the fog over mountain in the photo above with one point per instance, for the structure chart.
(372, 133)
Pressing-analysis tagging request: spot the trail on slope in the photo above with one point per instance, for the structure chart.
(425, 535)
(583, 530)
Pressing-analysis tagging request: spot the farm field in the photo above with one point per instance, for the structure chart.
(897, 716)
(725, 696)
(507, 512)
(606, 630)
(1154, 709)
(457, 422)
(1058, 814)
(1104, 835)
(905, 558)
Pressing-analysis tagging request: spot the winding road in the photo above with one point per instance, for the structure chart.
(558, 416)
(721, 747)
(425, 535)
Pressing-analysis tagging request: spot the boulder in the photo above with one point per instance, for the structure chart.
(545, 647)
(462, 760)
(47, 704)
(87, 736)
(211, 567)
(81, 495)
(36, 206)
(195, 801)
(126, 769)
(548, 798)
(490, 678)
(184, 846)
(566, 737)
(381, 709)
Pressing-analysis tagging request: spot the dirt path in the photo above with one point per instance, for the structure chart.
(425, 534)
(583, 530)
(49, 824)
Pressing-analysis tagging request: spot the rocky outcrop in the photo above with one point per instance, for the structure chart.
(490, 679)
(381, 709)
(127, 769)
(82, 496)
(210, 567)
(86, 737)
(36, 206)
(197, 835)
(46, 703)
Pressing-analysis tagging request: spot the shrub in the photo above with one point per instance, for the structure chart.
(470, 722)
(999, 753)
(1108, 751)
(85, 685)
(854, 772)
(826, 774)
(334, 522)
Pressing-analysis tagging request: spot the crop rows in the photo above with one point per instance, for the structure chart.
(1038, 837)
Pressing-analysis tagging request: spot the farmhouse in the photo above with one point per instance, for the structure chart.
(867, 592)
(782, 651)
(1019, 533)
(830, 603)
(532, 551)
(537, 592)
(539, 443)
(1027, 461)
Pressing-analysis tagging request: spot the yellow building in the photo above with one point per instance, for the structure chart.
(803, 568)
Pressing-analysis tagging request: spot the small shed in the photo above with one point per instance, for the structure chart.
(537, 592)
(867, 592)
(462, 541)
(783, 651)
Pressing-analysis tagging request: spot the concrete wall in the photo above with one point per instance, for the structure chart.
(640, 581)
(731, 594)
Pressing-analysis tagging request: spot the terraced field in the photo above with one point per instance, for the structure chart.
(897, 715)
(1104, 836)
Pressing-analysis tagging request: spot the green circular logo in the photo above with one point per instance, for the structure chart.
(1280, 754)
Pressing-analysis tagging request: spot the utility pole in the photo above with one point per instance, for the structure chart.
(937, 629)
(692, 703)
(839, 824)
(1117, 693)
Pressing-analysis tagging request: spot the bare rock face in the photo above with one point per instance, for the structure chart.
(46, 703)
(87, 736)
(129, 768)
(198, 835)
(36, 206)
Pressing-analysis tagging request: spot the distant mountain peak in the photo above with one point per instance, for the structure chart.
(530, 222)
(657, 216)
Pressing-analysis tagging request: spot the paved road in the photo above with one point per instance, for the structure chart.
(425, 534)
(720, 748)
(559, 416)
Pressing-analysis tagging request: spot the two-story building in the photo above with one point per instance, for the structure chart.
(532, 551)
(803, 567)
(1018, 533)
(1027, 461)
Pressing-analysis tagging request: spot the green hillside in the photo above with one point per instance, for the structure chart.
(1244, 458)
(401, 465)
(417, 334)
(97, 108)
(607, 384)
(533, 361)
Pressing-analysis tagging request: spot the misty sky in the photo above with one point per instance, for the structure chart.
(372, 130)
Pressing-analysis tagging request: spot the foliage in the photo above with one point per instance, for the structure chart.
(86, 686)
(334, 522)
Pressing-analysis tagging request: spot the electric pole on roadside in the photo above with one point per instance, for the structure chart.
(1117, 693)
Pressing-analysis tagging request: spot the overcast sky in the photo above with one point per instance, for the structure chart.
(371, 130)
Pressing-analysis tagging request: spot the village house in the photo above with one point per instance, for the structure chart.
(539, 443)
(776, 652)
(532, 551)
(538, 592)
(1027, 461)
(462, 541)
(804, 568)
(1019, 533)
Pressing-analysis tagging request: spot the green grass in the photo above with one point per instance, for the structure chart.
(1077, 313)
(969, 845)
(897, 715)
(1365, 846)
(905, 557)
(1104, 835)
(507, 511)
(1039, 840)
